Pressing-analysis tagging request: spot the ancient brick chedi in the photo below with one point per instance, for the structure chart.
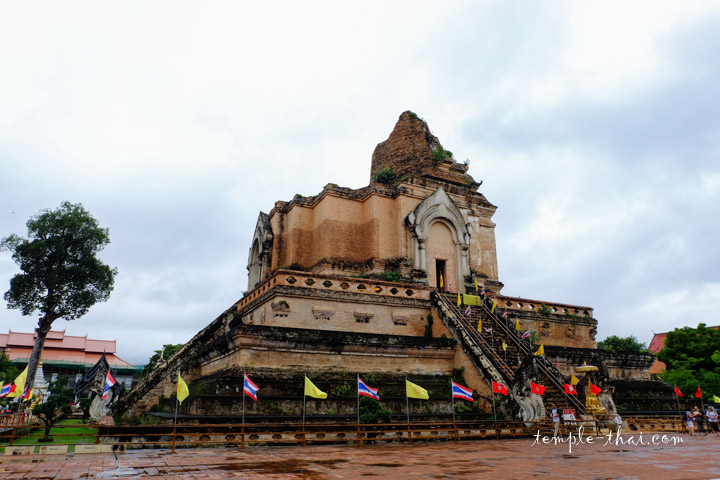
(366, 280)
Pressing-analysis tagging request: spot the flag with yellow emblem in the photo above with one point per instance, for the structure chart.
(415, 391)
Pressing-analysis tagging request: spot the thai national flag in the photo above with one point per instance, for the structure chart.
(468, 311)
(458, 391)
(367, 391)
(526, 334)
(250, 389)
(5, 390)
(109, 382)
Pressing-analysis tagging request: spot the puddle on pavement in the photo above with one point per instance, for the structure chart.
(290, 467)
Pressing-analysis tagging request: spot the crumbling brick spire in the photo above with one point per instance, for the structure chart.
(412, 150)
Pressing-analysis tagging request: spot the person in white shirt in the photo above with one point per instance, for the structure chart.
(712, 420)
(555, 414)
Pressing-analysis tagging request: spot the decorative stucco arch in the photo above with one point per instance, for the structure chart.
(439, 207)
(260, 251)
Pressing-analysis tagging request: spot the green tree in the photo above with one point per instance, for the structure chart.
(61, 274)
(692, 359)
(8, 373)
(56, 407)
(166, 352)
(630, 344)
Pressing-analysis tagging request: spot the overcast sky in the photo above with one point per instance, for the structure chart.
(594, 127)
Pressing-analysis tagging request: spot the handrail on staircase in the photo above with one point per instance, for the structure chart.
(497, 360)
(542, 362)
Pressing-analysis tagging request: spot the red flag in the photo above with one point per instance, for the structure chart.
(678, 392)
(498, 388)
(595, 389)
(570, 390)
(535, 388)
(698, 394)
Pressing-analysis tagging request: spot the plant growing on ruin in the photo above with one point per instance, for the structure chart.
(544, 309)
(428, 327)
(439, 154)
(384, 174)
(391, 276)
(342, 390)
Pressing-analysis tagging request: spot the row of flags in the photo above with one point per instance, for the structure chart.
(540, 390)
(698, 394)
(525, 334)
(412, 390)
(17, 388)
(11, 390)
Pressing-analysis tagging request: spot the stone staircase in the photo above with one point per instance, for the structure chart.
(515, 366)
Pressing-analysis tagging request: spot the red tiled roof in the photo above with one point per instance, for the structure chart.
(62, 347)
(657, 343)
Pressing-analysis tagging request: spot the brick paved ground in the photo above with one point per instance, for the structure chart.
(696, 458)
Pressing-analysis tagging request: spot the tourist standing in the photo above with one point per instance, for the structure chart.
(712, 420)
(689, 421)
(699, 420)
(555, 414)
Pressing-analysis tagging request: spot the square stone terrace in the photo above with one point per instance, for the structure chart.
(694, 458)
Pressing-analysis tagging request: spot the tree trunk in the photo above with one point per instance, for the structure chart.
(42, 330)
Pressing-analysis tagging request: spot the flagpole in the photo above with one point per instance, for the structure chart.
(407, 403)
(176, 409)
(494, 414)
(677, 397)
(453, 399)
(358, 397)
(304, 396)
(243, 395)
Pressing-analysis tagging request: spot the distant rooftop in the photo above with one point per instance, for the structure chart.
(62, 349)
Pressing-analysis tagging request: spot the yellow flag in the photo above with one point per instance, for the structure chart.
(574, 380)
(182, 389)
(476, 289)
(416, 391)
(480, 325)
(517, 324)
(716, 399)
(312, 391)
(504, 345)
(20, 383)
(540, 351)
(442, 284)
(492, 310)
(459, 300)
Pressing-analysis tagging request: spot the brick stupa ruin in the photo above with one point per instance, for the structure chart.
(365, 281)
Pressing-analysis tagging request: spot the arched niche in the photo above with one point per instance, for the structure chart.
(260, 252)
(439, 208)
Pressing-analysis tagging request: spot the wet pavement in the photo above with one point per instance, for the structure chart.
(695, 458)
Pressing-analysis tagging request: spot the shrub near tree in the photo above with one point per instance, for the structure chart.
(56, 407)
(61, 276)
(692, 359)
